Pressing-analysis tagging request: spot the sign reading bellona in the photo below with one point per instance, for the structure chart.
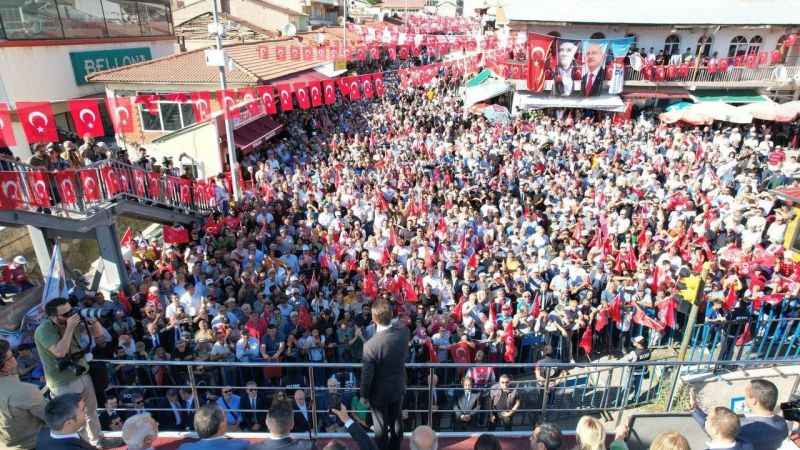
(85, 63)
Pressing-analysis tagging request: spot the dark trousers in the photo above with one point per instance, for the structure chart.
(505, 422)
(388, 424)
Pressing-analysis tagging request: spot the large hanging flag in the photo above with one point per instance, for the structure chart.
(37, 121)
(201, 106)
(266, 95)
(539, 47)
(285, 96)
(55, 282)
(227, 101)
(10, 190)
(301, 94)
(86, 117)
(7, 138)
(315, 93)
(121, 111)
(329, 92)
(38, 193)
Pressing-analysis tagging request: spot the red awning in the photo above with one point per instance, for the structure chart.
(790, 193)
(659, 93)
(255, 132)
(300, 77)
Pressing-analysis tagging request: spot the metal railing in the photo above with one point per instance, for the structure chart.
(732, 76)
(545, 391)
(76, 192)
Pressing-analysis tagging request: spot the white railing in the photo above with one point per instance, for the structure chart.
(732, 76)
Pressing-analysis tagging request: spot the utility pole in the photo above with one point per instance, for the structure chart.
(234, 166)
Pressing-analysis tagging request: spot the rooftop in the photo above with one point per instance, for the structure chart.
(401, 4)
(190, 67)
(676, 12)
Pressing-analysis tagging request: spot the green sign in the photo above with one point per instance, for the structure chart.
(86, 63)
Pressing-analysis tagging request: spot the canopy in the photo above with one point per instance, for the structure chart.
(524, 101)
(705, 113)
(772, 111)
(685, 115)
(479, 78)
(679, 106)
(485, 91)
(719, 95)
(253, 133)
(496, 113)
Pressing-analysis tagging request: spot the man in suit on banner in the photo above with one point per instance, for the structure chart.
(564, 85)
(594, 56)
(383, 376)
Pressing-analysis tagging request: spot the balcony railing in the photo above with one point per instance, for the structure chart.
(732, 77)
(547, 392)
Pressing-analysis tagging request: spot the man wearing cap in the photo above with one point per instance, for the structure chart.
(640, 352)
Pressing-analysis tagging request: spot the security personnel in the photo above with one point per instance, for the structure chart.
(640, 352)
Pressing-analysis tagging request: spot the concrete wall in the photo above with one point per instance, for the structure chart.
(200, 143)
(257, 14)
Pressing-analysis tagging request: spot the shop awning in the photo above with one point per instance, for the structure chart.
(524, 101)
(479, 78)
(666, 92)
(485, 91)
(301, 77)
(719, 95)
(255, 132)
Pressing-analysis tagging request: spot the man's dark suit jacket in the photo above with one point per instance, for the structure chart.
(45, 442)
(597, 83)
(301, 424)
(165, 339)
(383, 377)
(470, 408)
(248, 417)
(286, 443)
(166, 418)
(360, 437)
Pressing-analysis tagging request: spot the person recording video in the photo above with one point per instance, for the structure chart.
(64, 341)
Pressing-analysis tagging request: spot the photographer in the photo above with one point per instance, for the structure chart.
(64, 341)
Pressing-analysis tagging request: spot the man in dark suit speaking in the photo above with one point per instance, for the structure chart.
(383, 376)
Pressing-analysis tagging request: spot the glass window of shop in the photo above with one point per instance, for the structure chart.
(77, 19)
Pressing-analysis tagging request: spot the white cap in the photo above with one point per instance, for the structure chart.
(21, 260)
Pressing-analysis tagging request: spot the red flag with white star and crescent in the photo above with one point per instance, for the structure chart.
(539, 47)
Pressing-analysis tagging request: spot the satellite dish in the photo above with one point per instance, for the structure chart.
(289, 30)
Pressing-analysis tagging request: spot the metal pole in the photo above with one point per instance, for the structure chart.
(545, 393)
(237, 192)
(313, 398)
(193, 385)
(430, 396)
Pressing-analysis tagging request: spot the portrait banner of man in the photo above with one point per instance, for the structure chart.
(564, 83)
(594, 67)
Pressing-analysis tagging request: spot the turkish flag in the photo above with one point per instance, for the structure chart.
(173, 187)
(294, 53)
(361, 53)
(280, 53)
(308, 53)
(7, 138)
(38, 192)
(200, 192)
(616, 308)
(643, 319)
(366, 85)
(37, 121)
(86, 117)
(315, 93)
(666, 312)
(175, 235)
(150, 103)
(10, 190)
(153, 184)
(248, 95)
(461, 353)
(123, 179)
(201, 106)
(377, 79)
(510, 354)
(329, 92)
(344, 85)
(746, 335)
(66, 186)
(392, 53)
(266, 95)
(121, 111)
(370, 288)
(227, 101)
(374, 52)
(403, 53)
(285, 97)
(352, 85)
(178, 97)
(301, 94)
(139, 182)
(601, 321)
(90, 184)
(586, 341)
(110, 180)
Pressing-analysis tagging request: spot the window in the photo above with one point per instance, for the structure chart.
(171, 117)
(597, 35)
(738, 46)
(704, 46)
(672, 45)
(755, 45)
(82, 19)
(122, 18)
(155, 19)
(554, 34)
(32, 20)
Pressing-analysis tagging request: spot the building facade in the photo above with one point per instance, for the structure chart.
(48, 49)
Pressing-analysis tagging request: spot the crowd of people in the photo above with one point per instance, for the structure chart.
(544, 239)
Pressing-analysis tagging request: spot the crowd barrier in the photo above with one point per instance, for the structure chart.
(546, 391)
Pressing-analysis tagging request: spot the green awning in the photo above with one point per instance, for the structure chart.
(479, 78)
(721, 95)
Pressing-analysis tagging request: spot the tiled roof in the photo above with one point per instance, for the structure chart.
(190, 67)
(400, 4)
